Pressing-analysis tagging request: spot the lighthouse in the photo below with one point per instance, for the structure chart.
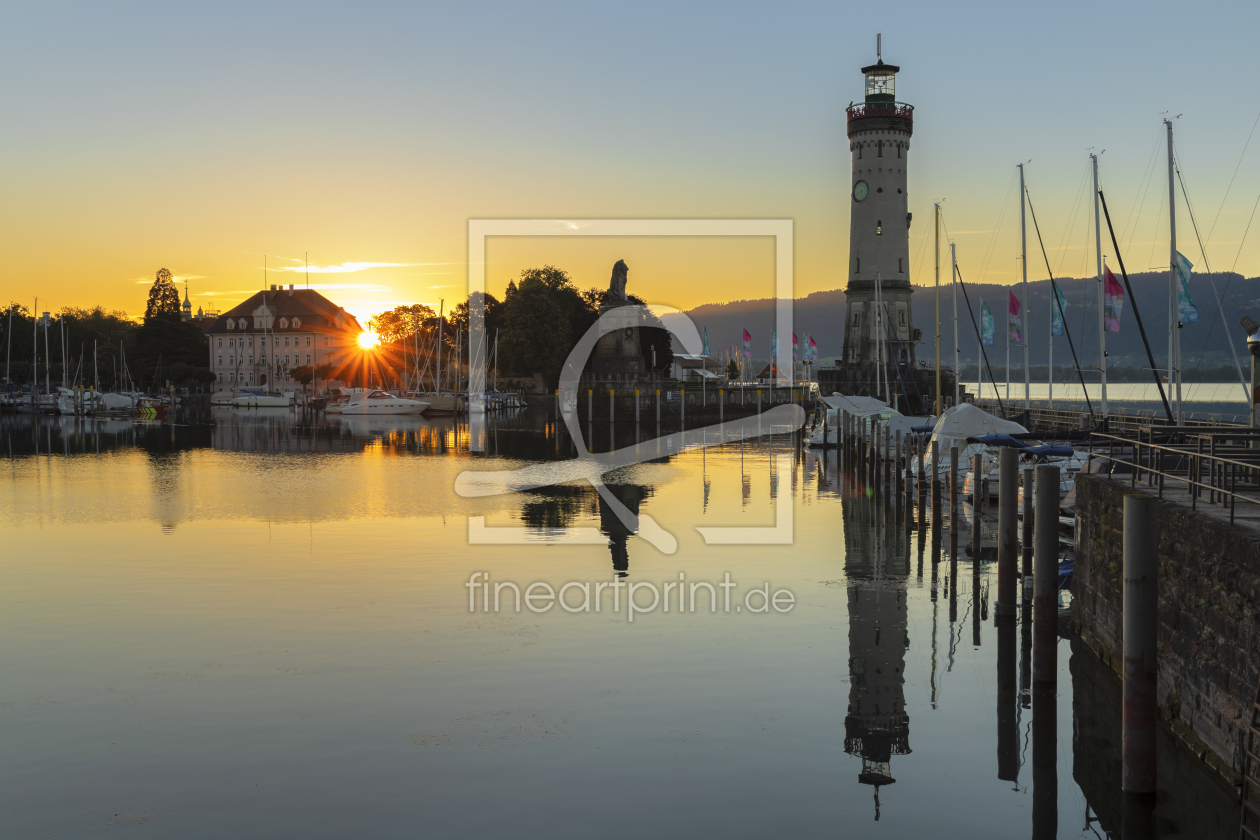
(879, 337)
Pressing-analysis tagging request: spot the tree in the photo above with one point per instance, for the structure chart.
(165, 339)
(163, 299)
(732, 370)
(401, 322)
(536, 333)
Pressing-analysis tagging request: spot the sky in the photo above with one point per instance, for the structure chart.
(232, 142)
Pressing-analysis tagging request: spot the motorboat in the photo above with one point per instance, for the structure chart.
(377, 402)
(261, 399)
(439, 403)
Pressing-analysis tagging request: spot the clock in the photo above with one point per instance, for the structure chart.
(860, 190)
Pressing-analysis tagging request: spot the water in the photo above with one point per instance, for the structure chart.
(1199, 398)
(254, 626)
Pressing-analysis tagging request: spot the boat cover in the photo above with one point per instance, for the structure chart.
(860, 406)
(965, 421)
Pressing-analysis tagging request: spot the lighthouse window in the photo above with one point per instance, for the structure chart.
(881, 149)
(900, 270)
(879, 228)
(858, 268)
(859, 151)
(901, 317)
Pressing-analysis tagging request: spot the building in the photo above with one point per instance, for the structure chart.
(689, 367)
(880, 338)
(261, 341)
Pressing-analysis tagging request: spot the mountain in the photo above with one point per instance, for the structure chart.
(821, 314)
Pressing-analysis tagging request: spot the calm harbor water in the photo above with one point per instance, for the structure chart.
(254, 625)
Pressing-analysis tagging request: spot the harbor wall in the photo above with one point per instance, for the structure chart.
(1209, 612)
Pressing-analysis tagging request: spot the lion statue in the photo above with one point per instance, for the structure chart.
(617, 286)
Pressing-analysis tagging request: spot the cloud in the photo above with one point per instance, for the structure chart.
(348, 267)
(176, 278)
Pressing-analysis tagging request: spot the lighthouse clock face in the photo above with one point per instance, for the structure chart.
(859, 191)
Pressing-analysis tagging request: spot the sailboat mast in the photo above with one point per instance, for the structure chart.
(1023, 262)
(8, 353)
(953, 281)
(938, 309)
(437, 346)
(1174, 313)
(1102, 325)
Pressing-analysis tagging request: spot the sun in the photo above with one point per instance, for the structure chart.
(368, 340)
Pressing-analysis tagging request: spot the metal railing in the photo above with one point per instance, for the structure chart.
(1193, 455)
(1123, 419)
(880, 109)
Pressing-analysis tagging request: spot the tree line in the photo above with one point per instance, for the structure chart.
(542, 316)
(105, 348)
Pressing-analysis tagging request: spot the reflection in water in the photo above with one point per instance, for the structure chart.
(877, 725)
(630, 495)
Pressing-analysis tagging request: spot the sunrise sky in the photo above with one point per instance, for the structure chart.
(205, 138)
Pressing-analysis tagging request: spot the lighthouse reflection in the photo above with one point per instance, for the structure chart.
(877, 726)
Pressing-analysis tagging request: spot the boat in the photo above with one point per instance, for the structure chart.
(438, 403)
(889, 417)
(377, 402)
(261, 399)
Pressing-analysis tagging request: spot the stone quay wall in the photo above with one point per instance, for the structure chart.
(1209, 612)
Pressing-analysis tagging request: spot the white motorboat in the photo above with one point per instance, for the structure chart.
(377, 402)
(260, 399)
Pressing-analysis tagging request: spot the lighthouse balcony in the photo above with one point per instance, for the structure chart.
(868, 110)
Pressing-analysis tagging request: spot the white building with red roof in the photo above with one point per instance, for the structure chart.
(261, 341)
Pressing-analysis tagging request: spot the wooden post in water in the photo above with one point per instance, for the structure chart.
(637, 413)
(953, 501)
(936, 486)
(1008, 542)
(1141, 569)
(658, 411)
(722, 407)
(590, 406)
(1046, 575)
(1026, 542)
(977, 466)
(612, 407)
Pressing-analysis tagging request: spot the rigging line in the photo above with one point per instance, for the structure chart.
(997, 228)
(1137, 316)
(1054, 297)
(1244, 236)
(1220, 307)
(1232, 177)
(1143, 187)
(1159, 217)
(1065, 240)
(984, 354)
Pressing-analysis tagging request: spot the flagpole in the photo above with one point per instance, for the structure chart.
(1023, 259)
(1050, 375)
(1174, 312)
(1102, 325)
(953, 258)
(938, 309)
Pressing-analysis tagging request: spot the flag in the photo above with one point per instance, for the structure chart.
(811, 349)
(747, 345)
(774, 346)
(1013, 326)
(1113, 301)
(1186, 310)
(707, 351)
(795, 348)
(1057, 311)
(987, 326)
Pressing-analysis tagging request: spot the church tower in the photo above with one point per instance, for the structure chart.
(879, 132)
(186, 306)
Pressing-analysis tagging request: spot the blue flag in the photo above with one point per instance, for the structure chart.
(987, 326)
(1186, 310)
(707, 351)
(774, 347)
(1057, 311)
